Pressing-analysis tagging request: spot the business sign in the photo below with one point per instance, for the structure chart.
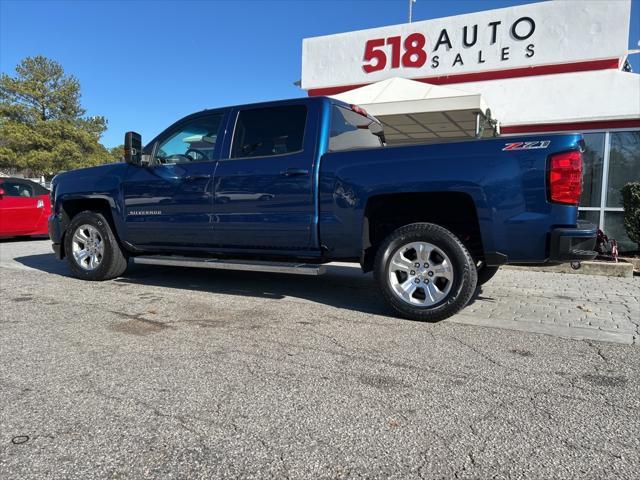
(547, 33)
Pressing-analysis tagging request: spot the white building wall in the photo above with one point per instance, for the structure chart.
(561, 98)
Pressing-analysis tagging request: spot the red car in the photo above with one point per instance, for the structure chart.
(24, 208)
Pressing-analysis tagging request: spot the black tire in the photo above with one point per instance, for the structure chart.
(464, 281)
(113, 263)
(486, 273)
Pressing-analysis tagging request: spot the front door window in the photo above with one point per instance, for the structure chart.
(195, 141)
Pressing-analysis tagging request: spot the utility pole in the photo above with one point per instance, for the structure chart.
(411, 2)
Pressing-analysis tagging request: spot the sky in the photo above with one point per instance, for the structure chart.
(144, 64)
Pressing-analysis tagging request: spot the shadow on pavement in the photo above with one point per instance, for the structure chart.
(341, 287)
(24, 239)
(45, 262)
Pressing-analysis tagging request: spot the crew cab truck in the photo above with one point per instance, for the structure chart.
(289, 186)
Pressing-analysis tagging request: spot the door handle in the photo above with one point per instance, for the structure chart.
(191, 178)
(290, 172)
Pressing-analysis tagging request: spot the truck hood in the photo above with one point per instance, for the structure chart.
(97, 171)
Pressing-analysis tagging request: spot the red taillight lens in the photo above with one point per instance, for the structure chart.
(565, 178)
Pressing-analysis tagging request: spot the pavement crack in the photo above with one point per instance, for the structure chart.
(597, 350)
(331, 339)
(636, 335)
(478, 352)
(178, 419)
(286, 468)
(472, 459)
(279, 455)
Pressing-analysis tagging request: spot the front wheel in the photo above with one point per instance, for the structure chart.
(425, 272)
(91, 248)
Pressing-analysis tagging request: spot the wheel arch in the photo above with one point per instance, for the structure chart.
(70, 207)
(384, 213)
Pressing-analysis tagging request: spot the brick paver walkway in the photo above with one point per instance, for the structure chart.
(577, 306)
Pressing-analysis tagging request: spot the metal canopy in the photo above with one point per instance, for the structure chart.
(417, 112)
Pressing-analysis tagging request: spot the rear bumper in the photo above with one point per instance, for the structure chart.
(56, 230)
(573, 244)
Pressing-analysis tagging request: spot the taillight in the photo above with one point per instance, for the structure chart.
(565, 178)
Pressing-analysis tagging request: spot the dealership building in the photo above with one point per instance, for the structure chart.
(549, 67)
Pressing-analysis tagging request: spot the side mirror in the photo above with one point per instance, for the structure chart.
(2, 192)
(133, 148)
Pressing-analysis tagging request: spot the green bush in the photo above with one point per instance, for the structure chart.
(631, 204)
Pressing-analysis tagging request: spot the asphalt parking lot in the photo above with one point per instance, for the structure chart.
(182, 373)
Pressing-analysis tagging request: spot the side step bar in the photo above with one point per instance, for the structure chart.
(246, 265)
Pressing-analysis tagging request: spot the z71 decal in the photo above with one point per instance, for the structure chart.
(526, 145)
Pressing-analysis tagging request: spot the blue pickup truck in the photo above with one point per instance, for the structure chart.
(289, 186)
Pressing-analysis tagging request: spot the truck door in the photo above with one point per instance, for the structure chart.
(263, 195)
(169, 202)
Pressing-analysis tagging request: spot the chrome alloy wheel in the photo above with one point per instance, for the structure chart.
(88, 247)
(420, 274)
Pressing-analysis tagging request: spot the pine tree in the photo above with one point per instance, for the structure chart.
(43, 127)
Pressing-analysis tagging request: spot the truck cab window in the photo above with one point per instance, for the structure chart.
(263, 132)
(194, 141)
(351, 130)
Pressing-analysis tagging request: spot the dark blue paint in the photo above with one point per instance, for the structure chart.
(249, 205)
(268, 202)
(183, 193)
(508, 189)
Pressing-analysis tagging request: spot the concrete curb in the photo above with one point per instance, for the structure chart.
(634, 261)
(607, 269)
(573, 332)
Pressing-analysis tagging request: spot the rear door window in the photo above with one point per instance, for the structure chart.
(264, 132)
(351, 130)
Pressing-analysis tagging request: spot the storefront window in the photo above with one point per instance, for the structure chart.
(624, 164)
(593, 159)
(614, 228)
(614, 157)
(591, 216)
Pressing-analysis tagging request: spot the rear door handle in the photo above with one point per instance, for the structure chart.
(191, 178)
(290, 172)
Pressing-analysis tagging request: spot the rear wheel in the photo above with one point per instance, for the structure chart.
(425, 272)
(91, 248)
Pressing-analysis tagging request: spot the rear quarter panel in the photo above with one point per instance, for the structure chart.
(509, 189)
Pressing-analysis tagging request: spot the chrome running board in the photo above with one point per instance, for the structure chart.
(245, 265)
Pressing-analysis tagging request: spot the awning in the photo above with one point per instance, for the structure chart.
(417, 112)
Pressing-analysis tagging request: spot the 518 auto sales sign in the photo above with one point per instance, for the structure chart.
(509, 39)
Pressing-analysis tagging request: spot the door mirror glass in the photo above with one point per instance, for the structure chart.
(2, 192)
(133, 148)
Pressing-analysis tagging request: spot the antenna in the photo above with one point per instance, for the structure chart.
(411, 2)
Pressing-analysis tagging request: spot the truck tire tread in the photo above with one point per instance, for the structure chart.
(114, 262)
(465, 279)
